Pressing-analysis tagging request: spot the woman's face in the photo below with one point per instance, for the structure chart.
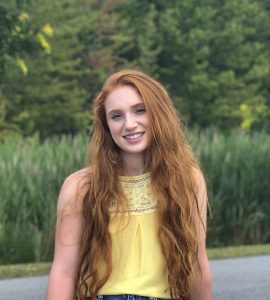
(127, 120)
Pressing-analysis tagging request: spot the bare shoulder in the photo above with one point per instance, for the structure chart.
(201, 204)
(77, 177)
(199, 179)
(73, 190)
(200, 187)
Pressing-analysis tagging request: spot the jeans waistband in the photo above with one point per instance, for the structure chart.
(125, 297)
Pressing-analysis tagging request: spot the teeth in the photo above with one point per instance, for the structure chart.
(133, 136)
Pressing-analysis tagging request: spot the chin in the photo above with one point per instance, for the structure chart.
(134, 151)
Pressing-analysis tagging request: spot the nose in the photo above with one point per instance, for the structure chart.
(130, 123)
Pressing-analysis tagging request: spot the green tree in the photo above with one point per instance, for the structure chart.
(20, 39)
(212, 55)
(17, 39)
(50, 99)
(87, 46)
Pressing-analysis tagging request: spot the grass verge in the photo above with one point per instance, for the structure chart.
(22, 270)
(238, 251)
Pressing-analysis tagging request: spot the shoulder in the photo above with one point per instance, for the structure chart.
(201, 201)
(199, 179)
(199, 186)
(75, 178)
(76, 181)
(74, 188)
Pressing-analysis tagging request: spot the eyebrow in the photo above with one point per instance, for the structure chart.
(133, 106)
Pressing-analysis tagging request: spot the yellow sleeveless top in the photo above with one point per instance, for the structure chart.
(138, 263)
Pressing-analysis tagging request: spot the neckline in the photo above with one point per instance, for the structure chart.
(135, 177)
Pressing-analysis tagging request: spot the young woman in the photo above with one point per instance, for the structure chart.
(132, 225)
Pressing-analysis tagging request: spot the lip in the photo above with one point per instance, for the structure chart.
(133, 133)
(135, 140)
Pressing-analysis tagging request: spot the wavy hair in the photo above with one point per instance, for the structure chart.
(168, 156)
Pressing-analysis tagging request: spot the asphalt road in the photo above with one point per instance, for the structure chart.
(233, 279)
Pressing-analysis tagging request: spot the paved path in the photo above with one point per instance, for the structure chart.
(233, 279)
(29, 288)
(241, 278)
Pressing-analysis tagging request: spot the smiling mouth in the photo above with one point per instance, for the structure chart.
(133, 136)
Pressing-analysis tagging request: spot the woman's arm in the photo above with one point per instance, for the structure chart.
(202, 289)
(67, 240)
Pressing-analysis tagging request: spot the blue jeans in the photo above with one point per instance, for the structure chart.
(125, 297)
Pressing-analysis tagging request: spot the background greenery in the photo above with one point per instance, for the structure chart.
(236, 176)
(213, 56)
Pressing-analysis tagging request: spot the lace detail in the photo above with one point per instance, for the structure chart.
(139, 195)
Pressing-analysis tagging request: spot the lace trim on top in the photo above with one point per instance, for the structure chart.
(139, 195)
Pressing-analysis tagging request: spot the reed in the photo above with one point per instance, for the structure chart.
(31, 176)
(237, 168)
(236, 165)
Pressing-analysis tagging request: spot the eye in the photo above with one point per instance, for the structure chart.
(140, 110)
(116, 116)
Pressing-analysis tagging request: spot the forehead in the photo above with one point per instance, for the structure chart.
(121, 98)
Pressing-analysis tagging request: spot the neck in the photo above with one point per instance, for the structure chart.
(134, 164)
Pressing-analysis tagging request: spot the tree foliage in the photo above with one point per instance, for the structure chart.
(213, 57)
(19, 38)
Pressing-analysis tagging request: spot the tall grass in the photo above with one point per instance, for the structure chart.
(31, 175)
(236, 165)
(237, 169)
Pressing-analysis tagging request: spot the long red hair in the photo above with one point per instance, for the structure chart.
(167, 156)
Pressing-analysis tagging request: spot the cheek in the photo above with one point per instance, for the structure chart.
(146, 121)
(114, 130)
(148, 130)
